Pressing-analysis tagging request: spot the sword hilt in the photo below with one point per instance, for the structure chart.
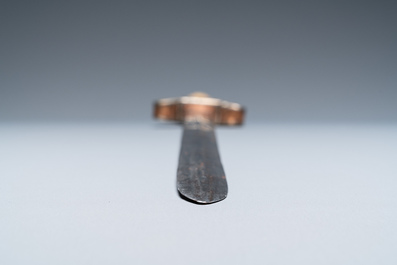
(199, 106)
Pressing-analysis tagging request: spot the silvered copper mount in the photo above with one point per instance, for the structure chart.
(199, 106)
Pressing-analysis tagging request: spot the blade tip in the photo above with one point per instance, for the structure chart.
(193, 199)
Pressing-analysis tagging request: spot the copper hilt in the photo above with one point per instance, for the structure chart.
(199, 106)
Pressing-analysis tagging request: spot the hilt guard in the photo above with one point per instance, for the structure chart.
(199, 106)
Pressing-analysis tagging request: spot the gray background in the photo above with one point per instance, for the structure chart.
(86, 177)
(284, 60)
(105, 194)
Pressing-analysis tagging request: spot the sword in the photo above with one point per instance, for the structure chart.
(200, 175)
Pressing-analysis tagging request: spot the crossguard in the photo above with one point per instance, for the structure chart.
(199, 106)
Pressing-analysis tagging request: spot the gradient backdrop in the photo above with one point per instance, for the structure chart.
(86, 177)
(284, 60)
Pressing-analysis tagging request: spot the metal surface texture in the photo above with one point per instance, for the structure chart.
(200, 176)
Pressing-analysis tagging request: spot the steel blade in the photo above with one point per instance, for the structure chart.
(200, 175)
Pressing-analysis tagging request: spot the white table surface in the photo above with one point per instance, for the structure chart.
(105, 194)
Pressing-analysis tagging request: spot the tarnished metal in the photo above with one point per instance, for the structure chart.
(200, 175)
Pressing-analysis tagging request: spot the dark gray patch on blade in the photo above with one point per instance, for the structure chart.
(200, 176)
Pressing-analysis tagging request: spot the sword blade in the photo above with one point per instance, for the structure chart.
(200, 175)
